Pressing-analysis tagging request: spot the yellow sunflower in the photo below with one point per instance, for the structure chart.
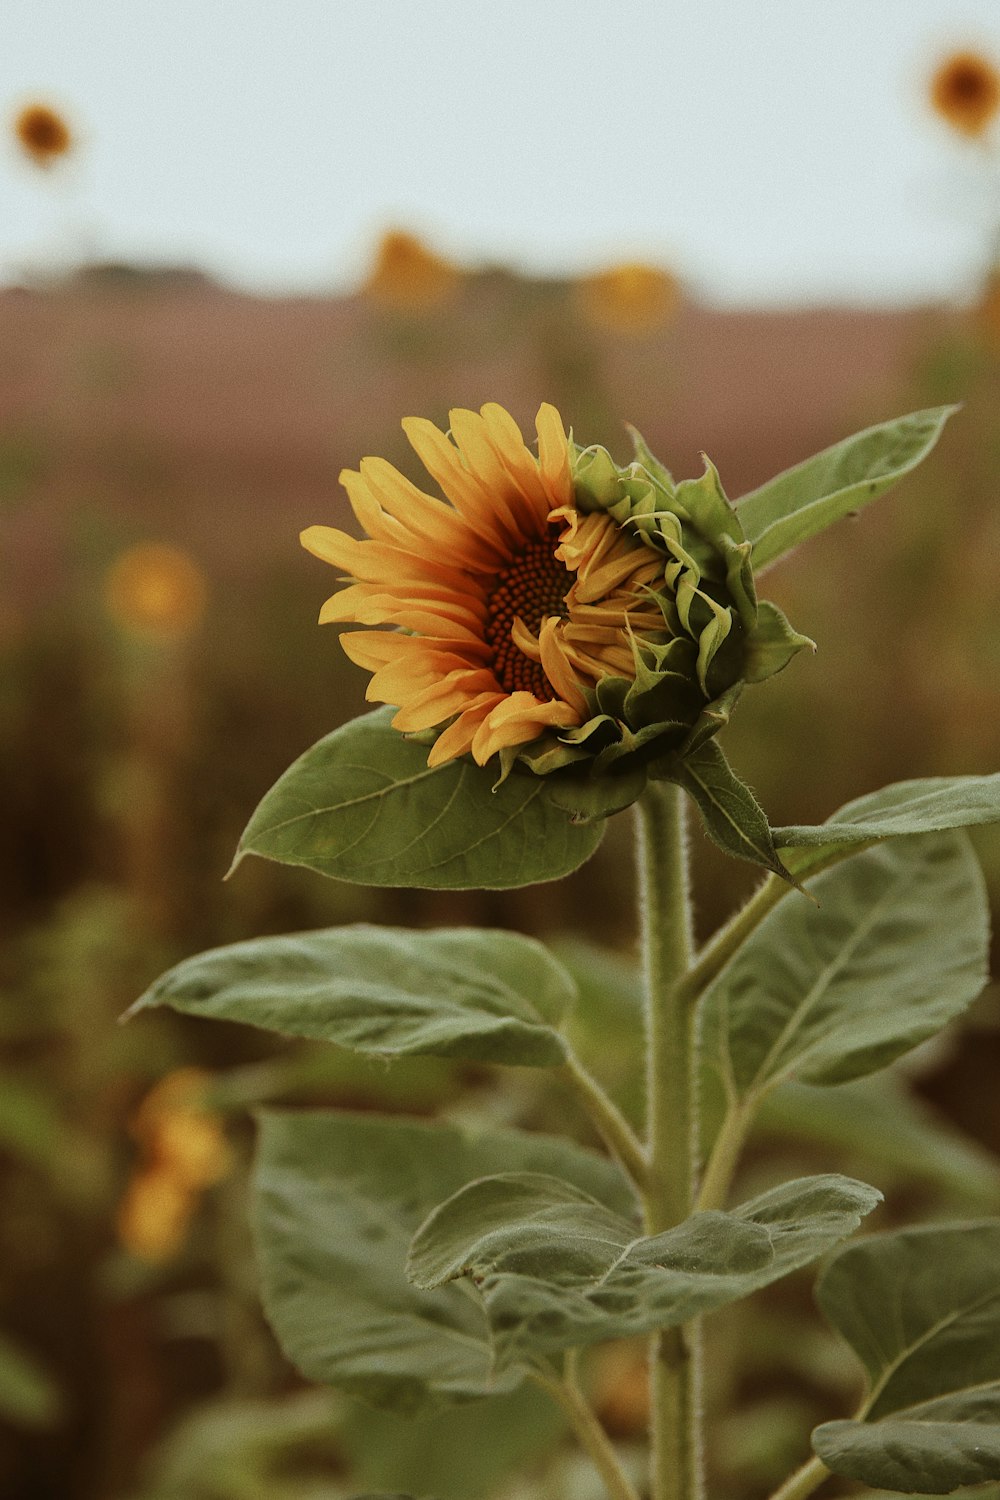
(509, 602)
(965, 91)
(408, 275)
(629, 298)
(42, 134)
(551, 609)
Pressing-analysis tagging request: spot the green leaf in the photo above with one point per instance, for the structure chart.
(220, 1443)
(731, 815)
(456, 1454)
(28, 1396)
(921, 1309)
(556, 1268)
(896, 947)
(804, 500)
(879, 1122)
(597, 795)
(456, 992)
(362, 805)
(930, 805)
(338, 1198)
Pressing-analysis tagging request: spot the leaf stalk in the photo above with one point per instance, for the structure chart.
(569, 1397)
(608, 1120)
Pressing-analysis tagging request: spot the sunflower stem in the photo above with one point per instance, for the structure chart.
(665, 913)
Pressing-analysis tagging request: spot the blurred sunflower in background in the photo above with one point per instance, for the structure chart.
(155, 590)
(43, 134)
(183, 1151)
(631, 298)
(965, 92)
(407, 275)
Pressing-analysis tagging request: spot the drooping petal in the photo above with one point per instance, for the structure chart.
(517, 719)
(557, 668)
(457, 738)
(438, 702)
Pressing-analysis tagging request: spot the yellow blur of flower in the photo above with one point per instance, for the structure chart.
(629, 298)
(620, 1391)
(183, 1151)
(507, 602)
(155, 590)
(965, 92)
(408, 275)
(42, 134)
(154, 1214)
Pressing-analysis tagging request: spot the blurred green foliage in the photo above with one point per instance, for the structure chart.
(133, 757)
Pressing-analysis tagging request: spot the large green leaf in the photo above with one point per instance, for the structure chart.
(930, 805)
(896, 947)
(804, 500)
(463, 1453)
(557, 1268)
(362, 805)
(879, 1124)
(457, 992)
(921, 1309)
(338, 1198)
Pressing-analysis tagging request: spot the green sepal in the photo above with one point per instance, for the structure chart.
(713, 717)
(647, 458)
(596, 478)
(772, 645)
(730, 813)
(705, 504)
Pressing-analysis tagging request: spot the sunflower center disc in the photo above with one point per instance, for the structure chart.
(533, 586)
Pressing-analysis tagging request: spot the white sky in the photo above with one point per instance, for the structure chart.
(770, 150)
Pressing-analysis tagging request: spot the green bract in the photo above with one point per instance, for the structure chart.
(716, 638)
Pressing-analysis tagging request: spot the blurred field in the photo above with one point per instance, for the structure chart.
(148, 703)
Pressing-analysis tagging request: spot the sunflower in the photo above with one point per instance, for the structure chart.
(630, 298)
(407, 275)
(153, 589)
(965, 91)
(548, 609)
(42, 134)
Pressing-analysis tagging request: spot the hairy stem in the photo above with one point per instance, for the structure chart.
(672, 1123)
(568, 1396)
(608, 1119)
